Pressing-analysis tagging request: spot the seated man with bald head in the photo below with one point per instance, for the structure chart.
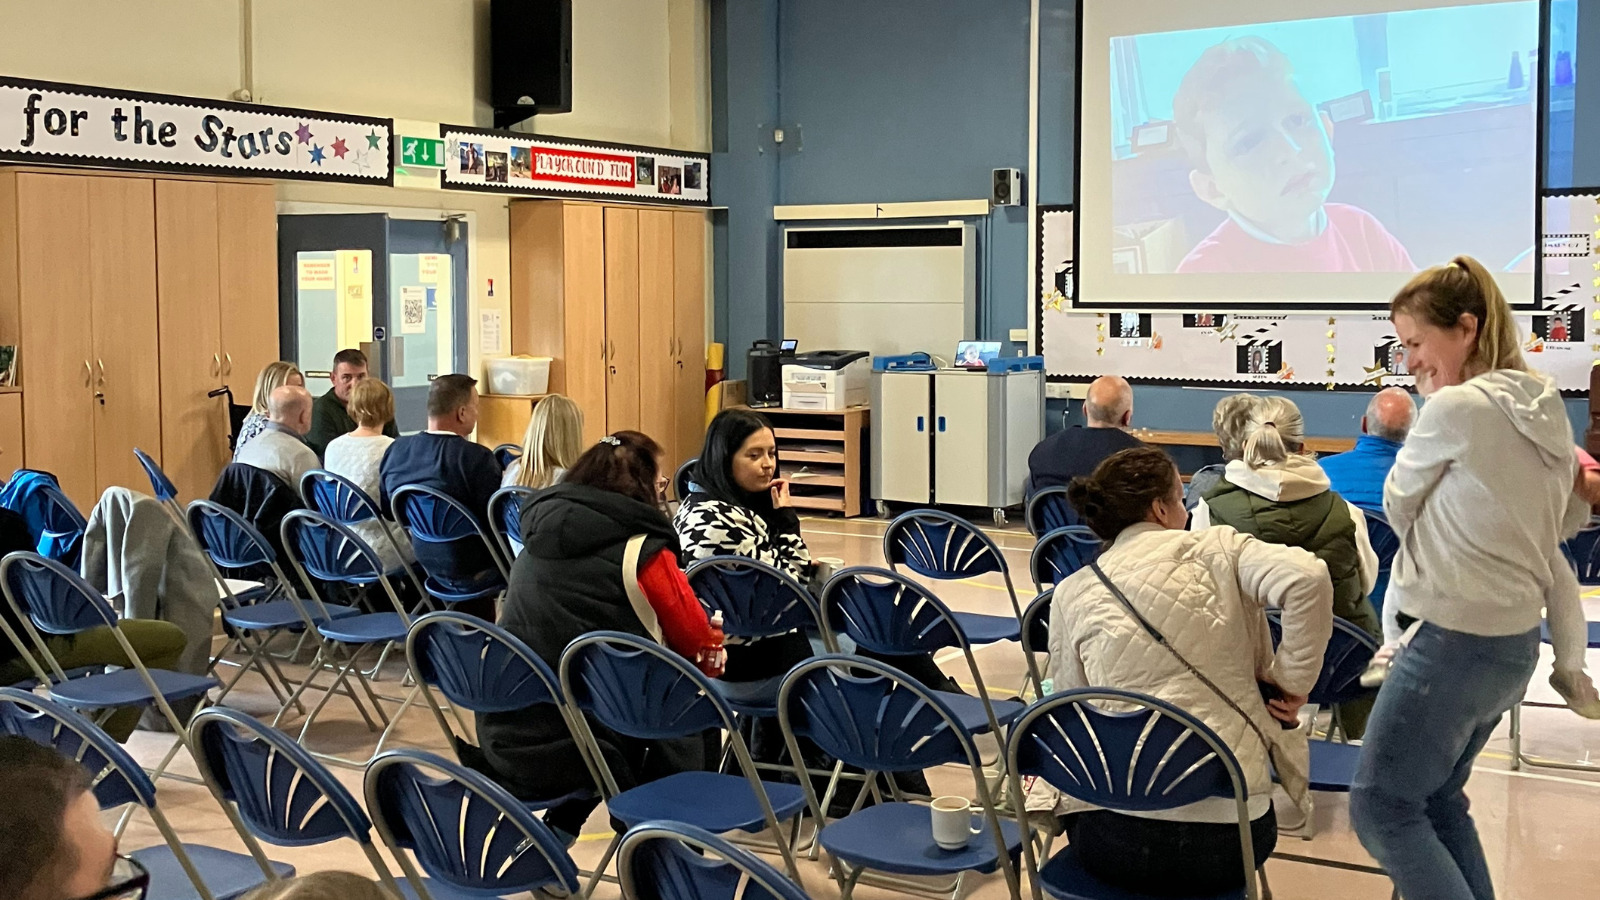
(1075, 451)
(1357, 475)
(281, 448)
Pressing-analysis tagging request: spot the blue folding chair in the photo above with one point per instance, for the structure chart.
(871, 715)
(1036, 626)
(1520, 759)
(482, 667)
(756, 601)
(274, 791)
(62, 526)
(255, 616)
(892, 615)
(1060, 553)
(505, 519)
(343, 501)
(1152, 758)
(458, 556)
(1386, 544)
(324, 549)
(1583, 552)
(683, 480)
(1048, 510)
(177, 870)
(48, 597)
(506, 454)
(637, 688)
(467, 832)
(938, 545)
(666, 860)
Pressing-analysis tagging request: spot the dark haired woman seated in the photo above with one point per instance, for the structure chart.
(584, 538)
(1207, 592)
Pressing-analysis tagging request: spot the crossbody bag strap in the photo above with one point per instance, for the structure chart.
(1161, 639)
(630, 583)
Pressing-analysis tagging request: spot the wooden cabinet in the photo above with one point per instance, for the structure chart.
(616, 296)
(130, 297)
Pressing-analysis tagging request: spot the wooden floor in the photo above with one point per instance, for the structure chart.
(1540, 828)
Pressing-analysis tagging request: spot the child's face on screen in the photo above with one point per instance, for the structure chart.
(1269, 158)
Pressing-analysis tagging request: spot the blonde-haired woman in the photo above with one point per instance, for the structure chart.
(553, 442)
(273, 376)
(1228, 422)
(358, 457)
(1278, 493)
(1481, 496)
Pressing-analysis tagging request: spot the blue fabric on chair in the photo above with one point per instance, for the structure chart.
(1349, 651)
(756, 601)
(892, 615)
(1583, 552)
(637, 688)
(160, 484)
(284, 796)
(1036, 624)
(506, 454)
(118, 781)
(1154, 757)
(1048, 510)
(1060, 553)
(875, 717)
(666, 860)
(466, 831)
(683, 480)
(233, 543)
(54, 524)
(505, 518)
(57, 601)
(1386, 544)
(460, 559)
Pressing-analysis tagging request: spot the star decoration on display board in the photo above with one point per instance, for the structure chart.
(339, 149)
(1533, 343)
(1285, 373)
(1155, 341)
(373, 139)
(303, 133)
(1333, 336)
(1100, 334)
(1226, 332)
(1055, 301)
(1375, 374)
(316, 154)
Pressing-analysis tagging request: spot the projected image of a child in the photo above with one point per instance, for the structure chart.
(1261, 153)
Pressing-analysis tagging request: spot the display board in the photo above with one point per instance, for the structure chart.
(1220, 346)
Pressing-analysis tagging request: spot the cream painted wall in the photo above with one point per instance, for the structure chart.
(640, 74)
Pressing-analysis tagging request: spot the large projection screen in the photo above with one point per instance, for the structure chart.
(1227, 150)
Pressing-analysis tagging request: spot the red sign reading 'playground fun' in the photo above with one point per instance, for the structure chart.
(483, 160)
(582, 168)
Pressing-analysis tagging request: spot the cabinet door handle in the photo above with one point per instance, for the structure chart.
(216, 364)
(88, 374)
(227, 368)
(941, 424)
(919, 424)
(611, 349)
(102, 364)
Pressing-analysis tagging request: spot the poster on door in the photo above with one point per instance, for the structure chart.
(413, 309)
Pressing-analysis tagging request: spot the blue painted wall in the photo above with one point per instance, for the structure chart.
(907, 100)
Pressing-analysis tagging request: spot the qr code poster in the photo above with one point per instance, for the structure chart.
(413, 309)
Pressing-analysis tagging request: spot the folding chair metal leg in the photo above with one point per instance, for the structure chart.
(333, 688)
(600, 868)
(1520, 759)
(305, 683)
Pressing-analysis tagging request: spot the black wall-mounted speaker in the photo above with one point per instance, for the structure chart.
(1007, 188)
(530, 58)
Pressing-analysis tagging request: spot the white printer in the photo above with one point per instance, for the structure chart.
(827, 380)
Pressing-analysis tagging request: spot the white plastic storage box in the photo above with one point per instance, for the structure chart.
(522, 375)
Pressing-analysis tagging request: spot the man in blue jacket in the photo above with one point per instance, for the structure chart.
(1358, 474)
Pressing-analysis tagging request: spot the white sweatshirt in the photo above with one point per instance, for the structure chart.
(1481, 496)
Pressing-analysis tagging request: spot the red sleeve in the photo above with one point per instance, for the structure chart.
(683, 620)
(1586, 462)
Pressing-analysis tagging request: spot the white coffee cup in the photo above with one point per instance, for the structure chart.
(954, 823)
(826, 566)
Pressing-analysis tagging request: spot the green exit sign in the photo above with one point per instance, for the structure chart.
(415, 151)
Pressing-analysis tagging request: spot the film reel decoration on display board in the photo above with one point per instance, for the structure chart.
(1342, 351)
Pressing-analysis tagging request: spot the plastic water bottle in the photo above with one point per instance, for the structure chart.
(714, 657)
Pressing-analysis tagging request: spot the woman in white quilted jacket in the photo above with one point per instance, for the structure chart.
(1207, 592)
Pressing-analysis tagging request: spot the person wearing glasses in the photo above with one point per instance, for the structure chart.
(53, 844)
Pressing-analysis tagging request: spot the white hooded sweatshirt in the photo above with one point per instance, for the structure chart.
(1481, 498)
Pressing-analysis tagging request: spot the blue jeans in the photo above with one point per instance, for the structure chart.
(1442, 699)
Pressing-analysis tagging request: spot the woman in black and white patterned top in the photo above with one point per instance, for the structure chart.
(740, 507)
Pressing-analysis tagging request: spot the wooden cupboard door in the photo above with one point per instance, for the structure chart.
(10, 434)
(584, 325)
(55, 347)
(689, 318)
(657, 341)
(622, 319)
(122, 292)
(194, 427)
(247, 258)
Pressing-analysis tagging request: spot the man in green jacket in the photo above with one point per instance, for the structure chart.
(329, 417)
